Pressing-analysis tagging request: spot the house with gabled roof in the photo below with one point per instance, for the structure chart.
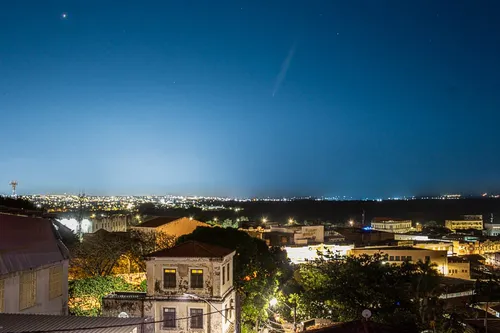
(189, 289)
(33, 266)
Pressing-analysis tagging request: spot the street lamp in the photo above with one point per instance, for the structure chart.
(351, 223)
(274, 301)
(264, 219)
(206, 301)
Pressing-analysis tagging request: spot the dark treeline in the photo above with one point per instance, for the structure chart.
(341, 211)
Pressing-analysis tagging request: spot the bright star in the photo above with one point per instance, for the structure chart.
(64, 15)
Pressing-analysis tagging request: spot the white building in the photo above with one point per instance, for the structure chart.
(302, 254)
(391, 225)
(189, 289)
(492, 229)
(33, 267)
(112, 223)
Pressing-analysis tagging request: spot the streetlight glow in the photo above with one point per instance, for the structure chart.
(273, 301)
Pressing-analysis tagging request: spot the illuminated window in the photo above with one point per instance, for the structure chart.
(2, 288)
(169, 278)
(196, 318)
(27, 290)
(196, 278)
(55, 281)
(169, 318)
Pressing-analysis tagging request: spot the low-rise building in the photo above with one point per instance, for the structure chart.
(33, 267)
(173, 226)
(299, 254)
(492, 229)
(459, 268)
(189, 289)
(112, 223)
(398, 255)
(397, 226)
(467, 222)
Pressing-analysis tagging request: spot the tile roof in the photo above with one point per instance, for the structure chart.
(193, 249)
(158, 221)
(28, 242)
(18, 322)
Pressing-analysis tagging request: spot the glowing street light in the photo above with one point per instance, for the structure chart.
(264, 220)
(273, 301)
(351, 223)
(290, 220)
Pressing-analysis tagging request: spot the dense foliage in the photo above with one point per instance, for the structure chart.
(85, 295)
(340, 288)
(257, 272)
(101, 253)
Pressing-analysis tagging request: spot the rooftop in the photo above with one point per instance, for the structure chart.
(158, 221)
(18, 322)
(28, 242)
(192, 249)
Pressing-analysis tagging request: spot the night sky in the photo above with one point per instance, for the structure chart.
(250, 98)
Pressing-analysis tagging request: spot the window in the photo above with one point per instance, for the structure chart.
(196, 318)
(409, 258)
(391, 258)
(223, 275)
(403, 258)
(226, 312)
(228, 270)
(169, 318)
(27, 290)
(169, 278)
(427, 258)
(397, 258)
(55, 281)
(2, 288)
(196, 278)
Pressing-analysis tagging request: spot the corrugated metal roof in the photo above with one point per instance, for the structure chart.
(27, 242)
(18, 322)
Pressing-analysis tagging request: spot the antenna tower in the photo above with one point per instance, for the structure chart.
(81, 199)
(14, 184)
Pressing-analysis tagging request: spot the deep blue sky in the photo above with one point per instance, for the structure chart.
(371, 98)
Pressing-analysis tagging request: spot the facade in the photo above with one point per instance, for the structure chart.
(112, 223)
(172, 226)
(301, 254)
(436, 246)
(492, 229)
(468, 222)
(189, 289)
(398, 255)
(33, 267)
(391, 225)
(296, 235)
(459, 268)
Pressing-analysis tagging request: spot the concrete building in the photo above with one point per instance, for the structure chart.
(467, 222)
(398, 255)
(299, 254)
(281, 236)
(173, 226)
(492, 229)
(189, 289)
(33, 267)
(112, 223)
(459, 268)
(391, 225)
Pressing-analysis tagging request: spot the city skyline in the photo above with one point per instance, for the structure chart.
(250, 99)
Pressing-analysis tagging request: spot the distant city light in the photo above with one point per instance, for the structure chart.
(73, 224)
(264, 220)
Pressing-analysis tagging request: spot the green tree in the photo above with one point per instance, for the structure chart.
(257, 270)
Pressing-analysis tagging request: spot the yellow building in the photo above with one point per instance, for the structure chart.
(391, 225)
(172, 226)
(468, 222)
(398, 255)
(458, 268)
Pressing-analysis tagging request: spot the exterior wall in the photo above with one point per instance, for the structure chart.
(301, 254)
(448, 247)
(455, 225)
(133, 307)
(437, 257)
(459, 269)
(43, 305)
(492, 229)
(392, 226)
(112, 223)
(464, 248)
(314, 234)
